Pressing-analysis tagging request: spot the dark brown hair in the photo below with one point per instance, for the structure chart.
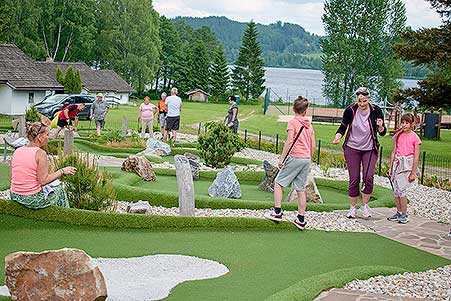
(300, 105)
(409, 118)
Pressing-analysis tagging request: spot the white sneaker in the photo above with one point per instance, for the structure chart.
(365, 211)
(351, 212)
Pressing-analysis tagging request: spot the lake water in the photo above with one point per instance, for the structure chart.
(287, 83)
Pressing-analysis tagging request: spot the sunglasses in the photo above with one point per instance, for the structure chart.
(40, 128)
(362, 93)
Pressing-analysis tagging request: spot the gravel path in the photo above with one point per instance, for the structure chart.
(432, 284)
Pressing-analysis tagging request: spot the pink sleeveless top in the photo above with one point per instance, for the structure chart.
(24, 171)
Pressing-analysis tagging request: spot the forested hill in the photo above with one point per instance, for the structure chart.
(283, 44)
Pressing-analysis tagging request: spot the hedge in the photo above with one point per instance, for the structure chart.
(135, 221)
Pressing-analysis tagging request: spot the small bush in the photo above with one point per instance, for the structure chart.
(436, 182)
(32, 115)
(89, 188)
(218, 145)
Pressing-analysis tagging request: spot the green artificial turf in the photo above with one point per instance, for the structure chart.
(5, 181)
(262, 264)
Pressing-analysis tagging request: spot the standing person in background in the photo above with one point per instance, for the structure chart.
(145, 113)
(294, 163)
(69, 112)
(162, 112)
(232, 114)
(99, 109)
(362, 122)
(174, 105)
(404, 165)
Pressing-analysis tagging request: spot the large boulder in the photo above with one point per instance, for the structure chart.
(194, 162)
(66, 274)
(311, 191)
(158, 145)
(225, 185)
(141, 166)
(270, 174)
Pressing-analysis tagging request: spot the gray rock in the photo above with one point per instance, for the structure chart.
(158, 145)
(270, 175)
(150, 152)
(185, 185)
(141, 166)
(194, 162)
(225, 185)
(140, 207)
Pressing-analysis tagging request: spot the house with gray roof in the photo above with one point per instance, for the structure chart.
(24, 81)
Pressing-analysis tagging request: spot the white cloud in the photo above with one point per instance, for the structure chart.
(306, 13)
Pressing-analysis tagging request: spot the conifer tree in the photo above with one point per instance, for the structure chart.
(248, 74)
(200, 65)
(60, 76)
(69, 80)
(78, 84)
(220, 76)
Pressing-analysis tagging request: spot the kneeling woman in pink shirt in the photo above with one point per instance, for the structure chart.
(31, 183)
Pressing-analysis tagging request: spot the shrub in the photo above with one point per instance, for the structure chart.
(89, 188)
(32, 115)
(218, 145)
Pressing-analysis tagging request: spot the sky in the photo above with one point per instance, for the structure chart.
(306, 13)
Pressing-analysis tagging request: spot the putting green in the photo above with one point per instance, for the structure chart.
(261, 263)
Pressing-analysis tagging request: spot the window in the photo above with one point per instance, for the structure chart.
(31, 97)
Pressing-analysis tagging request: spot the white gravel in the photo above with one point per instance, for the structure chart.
(431, 284)
(150, 277)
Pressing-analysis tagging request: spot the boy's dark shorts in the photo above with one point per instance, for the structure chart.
(63, 122)
(172, 123)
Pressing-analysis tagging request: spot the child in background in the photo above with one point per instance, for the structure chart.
(404, 165)
(298, 153)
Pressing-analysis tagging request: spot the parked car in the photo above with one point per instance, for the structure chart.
(50, 105)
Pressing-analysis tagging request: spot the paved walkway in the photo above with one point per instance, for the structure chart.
(420, 233)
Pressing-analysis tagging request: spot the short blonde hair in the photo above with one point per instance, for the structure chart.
(174, 90)
(362, 91)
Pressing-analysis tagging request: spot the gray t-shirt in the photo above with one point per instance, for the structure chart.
(99, 110)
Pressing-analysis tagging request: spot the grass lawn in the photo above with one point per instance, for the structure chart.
(5, 177)
(257, 269)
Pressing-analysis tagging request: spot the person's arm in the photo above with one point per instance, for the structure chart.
(44, 177)
(286, 147)
(76, 122)
(66, 114)
(345, 121)
(416, 159)
(107, 109)
(392, 159)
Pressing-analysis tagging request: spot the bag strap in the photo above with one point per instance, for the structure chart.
(292, 145)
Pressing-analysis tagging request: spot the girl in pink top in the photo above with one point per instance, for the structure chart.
(295, 169)
(146, 112)
(404, 165)
(31, 183)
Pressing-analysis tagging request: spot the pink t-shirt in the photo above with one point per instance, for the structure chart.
(24, 171)
(147, 111)
(405, 144)
(303, 146)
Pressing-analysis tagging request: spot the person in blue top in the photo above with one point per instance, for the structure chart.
(232, 114)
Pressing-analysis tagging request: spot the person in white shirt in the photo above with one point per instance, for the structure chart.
(174, 106)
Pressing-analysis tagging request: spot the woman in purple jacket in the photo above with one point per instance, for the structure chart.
(361, 122)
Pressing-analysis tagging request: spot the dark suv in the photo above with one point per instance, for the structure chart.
(50, 105)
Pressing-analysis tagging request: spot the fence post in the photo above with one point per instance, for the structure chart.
(198, 130)
(68, 141)
(259, 139)
(319, 151)
(277, 143)
(380, 160)
(124, 126)
(422, 167)
(245, 136)
(22, 126)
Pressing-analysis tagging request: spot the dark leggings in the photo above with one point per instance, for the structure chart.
(354, 158)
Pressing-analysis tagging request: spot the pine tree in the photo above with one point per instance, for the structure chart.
(69, 80)
(78, 84)
(249, 75)
(220, 76)
(60, 76)
(200, 65)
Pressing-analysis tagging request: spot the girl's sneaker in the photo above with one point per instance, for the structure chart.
(403, 219)
(395, 217)
(272, 215)
(351, 212)
(365, 211)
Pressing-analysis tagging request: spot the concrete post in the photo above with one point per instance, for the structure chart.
(68, 141)
(185, 185)
(22, 126)
(124, 126)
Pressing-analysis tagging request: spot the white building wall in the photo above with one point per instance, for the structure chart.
(122, 98)
(20, 100)
(5, 99)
